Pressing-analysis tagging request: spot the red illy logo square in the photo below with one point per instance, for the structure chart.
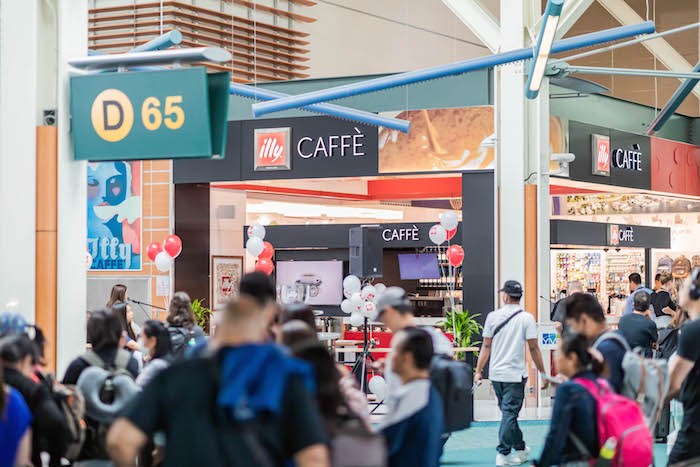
(601, 155)
(272, 149)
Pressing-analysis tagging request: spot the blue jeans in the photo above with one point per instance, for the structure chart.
(510, 401)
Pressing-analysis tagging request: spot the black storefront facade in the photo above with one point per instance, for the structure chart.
(321, 147)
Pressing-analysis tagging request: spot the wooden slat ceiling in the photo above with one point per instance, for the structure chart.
(643, 90)
(261, 51)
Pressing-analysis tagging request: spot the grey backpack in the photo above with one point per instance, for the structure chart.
(353, 445)
(646, 380)
(107, 389)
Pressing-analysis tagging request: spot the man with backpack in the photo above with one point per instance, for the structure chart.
(585, 316)
(628, 372)
(685, 375)
(452, 379)
(250, 404)
(105, 375)
(506, 332)
(413, 430)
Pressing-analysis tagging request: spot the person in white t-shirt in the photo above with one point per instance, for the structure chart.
(505, 333)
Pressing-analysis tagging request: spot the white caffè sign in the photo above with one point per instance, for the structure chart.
(620, 235)
(332, 145)
(628, 159)
(403, 233)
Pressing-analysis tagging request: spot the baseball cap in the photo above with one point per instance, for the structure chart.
(513, 289)
(394, 297)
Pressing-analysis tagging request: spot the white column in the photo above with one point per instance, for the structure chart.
(72, 194)
(538, 163)
(18, 62)
(511, 148)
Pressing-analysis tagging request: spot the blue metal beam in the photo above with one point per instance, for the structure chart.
(538, 65)
(174, 37)
(673, 103)
(328, 109)
(403, 79)
(164, 41)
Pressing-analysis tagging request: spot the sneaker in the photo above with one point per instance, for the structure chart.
(522, 456)
(510, 459)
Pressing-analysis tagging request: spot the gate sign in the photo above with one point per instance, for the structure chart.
(169, 114)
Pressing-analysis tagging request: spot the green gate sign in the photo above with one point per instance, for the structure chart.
(169, 114)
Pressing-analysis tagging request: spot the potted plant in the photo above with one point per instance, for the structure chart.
(464, 325)
(202, 314)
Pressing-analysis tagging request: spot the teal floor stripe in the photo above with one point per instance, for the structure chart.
(476, 447)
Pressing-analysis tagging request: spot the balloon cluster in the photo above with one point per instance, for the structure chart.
(257, 247)
(164, 255)
(445, 231)
(360, 302)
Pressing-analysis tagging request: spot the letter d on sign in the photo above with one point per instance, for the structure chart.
(112, 115)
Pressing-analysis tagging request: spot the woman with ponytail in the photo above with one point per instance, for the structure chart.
(573, 433)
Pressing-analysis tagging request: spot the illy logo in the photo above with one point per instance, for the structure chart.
(601, 155)
(272, 149)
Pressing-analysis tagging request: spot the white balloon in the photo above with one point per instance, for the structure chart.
(369, 292)
(254, 246)
(256, 230)
(356, 301)
(88, 260)
(449, 220)
(164, 262)
(378, 386)
(356, 318)
(352, 284)
(369, 310)
(437, 234)
(379, 288)
(347, 294)
(346, 306)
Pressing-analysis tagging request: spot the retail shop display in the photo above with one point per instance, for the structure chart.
(574, 265)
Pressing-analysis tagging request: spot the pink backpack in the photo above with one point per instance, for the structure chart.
(622, 419)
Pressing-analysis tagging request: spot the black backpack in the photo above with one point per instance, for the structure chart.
(453, 380)
(180, 340)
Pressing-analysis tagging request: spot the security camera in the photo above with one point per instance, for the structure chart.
(563, 157)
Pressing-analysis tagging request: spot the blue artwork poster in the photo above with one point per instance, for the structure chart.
(114, 215)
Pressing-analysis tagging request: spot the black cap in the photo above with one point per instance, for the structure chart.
(512, 289)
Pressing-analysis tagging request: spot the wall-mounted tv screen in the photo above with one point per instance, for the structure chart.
(419, 266)
(324, 278)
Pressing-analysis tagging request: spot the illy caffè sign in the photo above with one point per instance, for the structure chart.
(621, 158)
(275, 149)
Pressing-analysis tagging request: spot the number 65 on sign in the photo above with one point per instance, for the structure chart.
(165, 114)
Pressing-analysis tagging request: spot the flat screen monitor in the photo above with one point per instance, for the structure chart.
(323, 278)
(419, 266)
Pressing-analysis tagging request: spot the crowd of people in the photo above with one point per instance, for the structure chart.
(598, 367)
(265, 391)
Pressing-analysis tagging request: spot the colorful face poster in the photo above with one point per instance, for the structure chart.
(114, 215)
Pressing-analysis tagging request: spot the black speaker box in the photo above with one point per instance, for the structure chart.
(366, 244)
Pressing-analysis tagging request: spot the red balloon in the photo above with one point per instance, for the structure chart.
(455, 255)
(451, 233)
(267, 252)
(173, 245)
(153, 249)
(265, 265)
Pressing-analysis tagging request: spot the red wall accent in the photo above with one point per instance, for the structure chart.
(675, 167)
